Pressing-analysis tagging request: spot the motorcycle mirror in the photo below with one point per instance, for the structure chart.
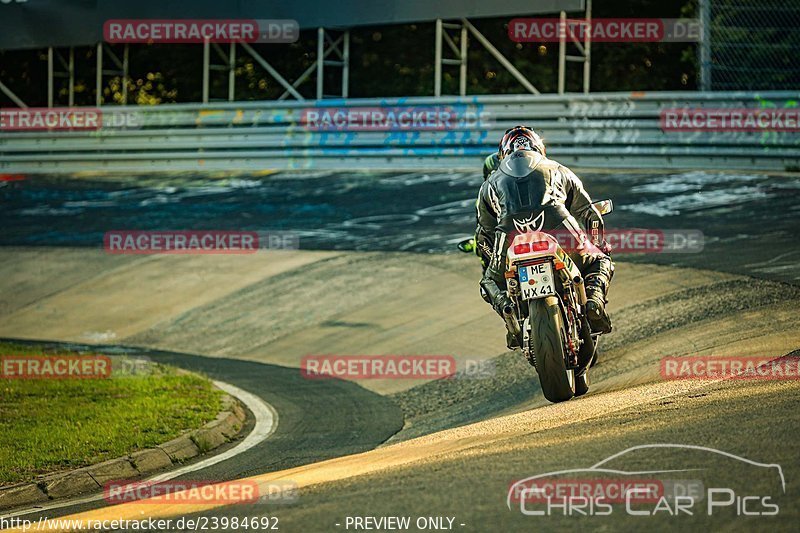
(467, 245)
(604, 206)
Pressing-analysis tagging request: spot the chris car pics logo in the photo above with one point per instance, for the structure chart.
(610, 486)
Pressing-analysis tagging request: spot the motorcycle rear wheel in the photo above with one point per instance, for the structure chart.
(546, 341)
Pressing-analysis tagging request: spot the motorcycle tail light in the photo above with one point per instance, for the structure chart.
(541, 246)
(522, 248)
(559, 265)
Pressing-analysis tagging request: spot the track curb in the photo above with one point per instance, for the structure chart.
(227, 425)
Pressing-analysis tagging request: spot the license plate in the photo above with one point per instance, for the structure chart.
(536, 281)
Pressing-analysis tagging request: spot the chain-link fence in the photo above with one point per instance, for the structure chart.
(753, 45)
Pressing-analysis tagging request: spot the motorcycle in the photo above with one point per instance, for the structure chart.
(548, 315)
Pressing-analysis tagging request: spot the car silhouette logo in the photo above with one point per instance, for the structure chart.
(519, 487)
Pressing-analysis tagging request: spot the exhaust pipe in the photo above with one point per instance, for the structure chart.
(511, 320)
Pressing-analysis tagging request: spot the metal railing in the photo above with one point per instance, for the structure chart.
(613, 130)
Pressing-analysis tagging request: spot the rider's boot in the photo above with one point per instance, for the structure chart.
(599, 320)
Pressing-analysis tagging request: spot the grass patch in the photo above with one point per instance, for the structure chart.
(50, 424)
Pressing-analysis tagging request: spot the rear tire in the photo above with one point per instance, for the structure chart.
(546, 342)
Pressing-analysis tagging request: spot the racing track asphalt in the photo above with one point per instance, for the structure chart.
(439, 474)
(318, 419)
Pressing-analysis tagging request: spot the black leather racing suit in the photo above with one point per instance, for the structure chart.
(530, 192)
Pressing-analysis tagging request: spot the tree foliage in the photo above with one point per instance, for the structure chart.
(385, 61)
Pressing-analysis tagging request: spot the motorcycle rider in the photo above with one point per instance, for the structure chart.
(525, 184)
(490, 164)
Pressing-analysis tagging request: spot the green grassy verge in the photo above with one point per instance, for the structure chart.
(47, 425)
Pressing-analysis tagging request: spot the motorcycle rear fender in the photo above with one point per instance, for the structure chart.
(553, 252)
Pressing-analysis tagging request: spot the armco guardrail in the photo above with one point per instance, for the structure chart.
(614, 130)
